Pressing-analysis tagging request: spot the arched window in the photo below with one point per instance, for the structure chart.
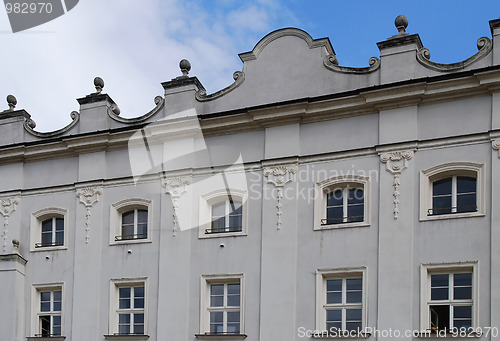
(341, 202)
(49, 229)
(130, 221)
(452, 190)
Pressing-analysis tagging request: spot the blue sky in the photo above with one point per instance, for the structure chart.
(136, 45)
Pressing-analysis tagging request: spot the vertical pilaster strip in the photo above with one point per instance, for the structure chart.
(176, 186)
(280, 176)
(8, 206)
(88, 197)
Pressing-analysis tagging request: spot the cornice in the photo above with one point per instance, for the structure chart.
(306, 110)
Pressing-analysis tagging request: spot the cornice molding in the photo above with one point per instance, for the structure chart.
(29, 126)
(201, 95)
(290, 31)
(331, 63)
(113, 112)
(484, 45)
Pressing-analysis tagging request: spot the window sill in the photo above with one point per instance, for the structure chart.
(130, 241)
(221, 336)
(126, 337)
(449, 335)
(451, 216)
(46, 338)
(48, 248)
(221, 235)
(359, 335)
(341, 226)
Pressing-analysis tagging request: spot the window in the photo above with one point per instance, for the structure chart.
(341, 202)
(452, 190)
(130, 221)
(449, 297)
(223, 213)
(222, 305)
(454, 195)
(48, 307)
(340, 299)
(48, 228)
(134, 225)
(226, 216)
(128, 307)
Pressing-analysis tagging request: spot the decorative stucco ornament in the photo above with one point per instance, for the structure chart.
(496, 145)
(396, 163)
(280, 176)
(88, 197)
(7, 207)
(176, 186)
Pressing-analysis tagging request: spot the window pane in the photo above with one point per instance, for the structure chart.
(124, 301)
(355, 196)
(233, 289)
(56, 330)
(216, 317)
(334, 315)
(466, 184)
(142, 216)
(439, 287)
(441, 187)
(353, 314)
(128, 217)
(354, 297)
(142, 230)
(235, 208)
(334, 285)
(219, 225)
(124, 323)
(466, 202)
(138, 329)
(439, 281)
(355, 213)
(354, 284)
(217, 301)
(233, 328)
(216, 328)
(441, 205)
(235, 222)
(233, 300)
(45, 301)
(333, 326)
(334, 215)
(219, 209)
(45, 325)
(333, 297)
(462, 312)
(462, 293)
(353, 326)
(440, 316)
(59, 237)
(138, 323)
(127, 231)
(233, 316)
(217, 289)
(460, 280)
(139, 292)
(59, 224)
(335, 198)
(47, 225)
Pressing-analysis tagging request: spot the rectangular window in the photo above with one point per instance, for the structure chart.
(49, 305)
(222, 305)
(340, 300)
(128, 307)
(449, 303)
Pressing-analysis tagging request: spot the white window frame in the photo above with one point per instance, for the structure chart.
(426, 270)
(115, 285)
(447, 170)
(206, 281)
(339, 182)
(205, 214)
(124, 206)
(37, 289)
(322, 275)
(36, 228)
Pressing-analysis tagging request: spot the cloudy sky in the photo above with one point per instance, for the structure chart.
(136, 45)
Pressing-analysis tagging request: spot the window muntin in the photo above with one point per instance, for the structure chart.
(52, 232)
(455, 194)
(451, 300)
(49, 312)
(134, 224)
(226, 216)
(344, 205)
(131, 303)
(343, 304)
(224, 308)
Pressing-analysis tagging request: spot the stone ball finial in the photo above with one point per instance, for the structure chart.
(11, 101)
(99, 84)
(185, 66)
(401, 23)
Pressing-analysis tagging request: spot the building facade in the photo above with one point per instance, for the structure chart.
(305, 199)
